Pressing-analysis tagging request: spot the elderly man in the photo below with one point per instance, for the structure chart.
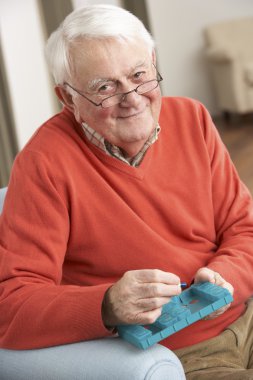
(129, 194)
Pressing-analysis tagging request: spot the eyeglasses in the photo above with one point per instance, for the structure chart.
(112, 100)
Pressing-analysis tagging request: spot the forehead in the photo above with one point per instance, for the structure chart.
(108, 58)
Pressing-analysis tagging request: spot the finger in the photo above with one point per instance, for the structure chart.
(229, 287)
(157, 275)
(205, 274)
(146, 318)
(217, 313)
(148, 304)
(153, 290)
(220, 281)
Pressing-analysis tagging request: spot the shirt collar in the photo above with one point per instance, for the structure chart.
(114, 151)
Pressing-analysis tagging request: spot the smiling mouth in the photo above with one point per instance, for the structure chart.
(132, 116)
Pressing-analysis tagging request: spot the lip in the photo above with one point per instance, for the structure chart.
(136, 114)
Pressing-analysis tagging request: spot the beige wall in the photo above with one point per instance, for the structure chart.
(178, 26)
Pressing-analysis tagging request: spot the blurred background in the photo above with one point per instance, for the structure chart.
(179, 27)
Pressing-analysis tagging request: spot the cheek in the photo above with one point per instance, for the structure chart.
(155, 103)
(100, 119)
(90, 114)
(104, 113)
(108, 117)
(103, 117)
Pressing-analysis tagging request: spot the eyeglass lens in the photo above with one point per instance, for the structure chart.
(141, 89)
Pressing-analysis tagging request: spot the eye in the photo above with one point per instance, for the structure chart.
(107, 88)
(139, 74)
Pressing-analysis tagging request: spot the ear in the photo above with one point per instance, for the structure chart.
(64, 97)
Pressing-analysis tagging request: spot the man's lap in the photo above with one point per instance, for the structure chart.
(228, 355)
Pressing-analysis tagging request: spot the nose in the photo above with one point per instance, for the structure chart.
(130, 98)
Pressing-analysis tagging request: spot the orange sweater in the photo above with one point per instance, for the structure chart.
(76, 219)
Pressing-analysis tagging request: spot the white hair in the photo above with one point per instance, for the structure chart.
(95, 21)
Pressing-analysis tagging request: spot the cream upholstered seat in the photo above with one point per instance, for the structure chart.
(230, 52)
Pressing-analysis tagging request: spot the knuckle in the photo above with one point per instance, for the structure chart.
(156, 274)
(140, 304)
(127, 275)
(149, 319)
(137, 318)
(154, 290)
(155, 303)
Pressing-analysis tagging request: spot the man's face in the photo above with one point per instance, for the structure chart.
(104, 68)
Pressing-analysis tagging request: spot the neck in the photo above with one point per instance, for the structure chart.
(130, 151)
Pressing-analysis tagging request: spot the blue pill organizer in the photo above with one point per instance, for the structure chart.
(190, 306)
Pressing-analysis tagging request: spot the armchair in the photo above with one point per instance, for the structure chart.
(229, 50)
(109, 358)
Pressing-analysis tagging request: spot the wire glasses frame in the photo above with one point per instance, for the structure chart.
(112, 100)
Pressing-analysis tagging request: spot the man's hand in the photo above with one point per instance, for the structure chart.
(206, 274)
(138, 297)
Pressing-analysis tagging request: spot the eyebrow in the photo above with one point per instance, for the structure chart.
(93, 83)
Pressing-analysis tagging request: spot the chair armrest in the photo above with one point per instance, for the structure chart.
(2, 196)
(221, 54)
(109, 358)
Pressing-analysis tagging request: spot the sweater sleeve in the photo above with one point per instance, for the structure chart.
(35, 309)
(233, 217)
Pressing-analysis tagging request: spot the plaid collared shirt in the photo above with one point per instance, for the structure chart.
(113, 150)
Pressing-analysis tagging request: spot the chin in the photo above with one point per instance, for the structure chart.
(137, 138)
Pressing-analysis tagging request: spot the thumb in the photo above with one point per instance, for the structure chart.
(205, 274)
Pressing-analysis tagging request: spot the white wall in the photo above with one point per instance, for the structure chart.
(177, 26)
(30, 88)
